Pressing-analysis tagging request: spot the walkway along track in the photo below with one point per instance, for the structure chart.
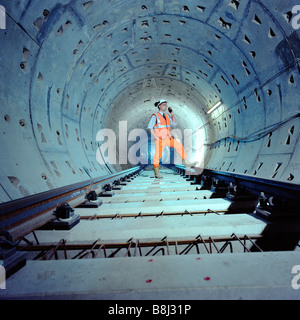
(178, 215)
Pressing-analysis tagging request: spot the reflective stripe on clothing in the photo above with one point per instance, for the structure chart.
(162, 127)
(158, 125)
(153, 120)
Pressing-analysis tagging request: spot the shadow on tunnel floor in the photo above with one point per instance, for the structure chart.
(280, 234)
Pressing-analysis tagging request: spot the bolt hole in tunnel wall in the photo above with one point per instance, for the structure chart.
(72, 68)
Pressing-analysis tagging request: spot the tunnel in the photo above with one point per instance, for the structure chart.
(73, 71)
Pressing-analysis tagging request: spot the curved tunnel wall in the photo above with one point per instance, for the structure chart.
(71, 68)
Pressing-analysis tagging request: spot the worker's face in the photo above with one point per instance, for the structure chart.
(163, 107)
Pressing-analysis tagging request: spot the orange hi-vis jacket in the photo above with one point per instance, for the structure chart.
(162, 127)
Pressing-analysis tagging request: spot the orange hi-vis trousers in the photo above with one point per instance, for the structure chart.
(160, 145)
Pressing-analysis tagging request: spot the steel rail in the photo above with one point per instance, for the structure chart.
(22, 216)
(253, 184)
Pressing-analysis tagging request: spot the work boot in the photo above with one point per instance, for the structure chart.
(156, 172)
(188, 164)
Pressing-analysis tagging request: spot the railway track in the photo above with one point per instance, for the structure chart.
(147, 219)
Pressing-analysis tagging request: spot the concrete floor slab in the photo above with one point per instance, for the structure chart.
(156, 183)
(144, 197)
(157, 188)
(174, 227)
(176, 194)
(259, 276)
(167, 207)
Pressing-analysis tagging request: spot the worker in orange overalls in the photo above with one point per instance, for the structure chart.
(160, 128)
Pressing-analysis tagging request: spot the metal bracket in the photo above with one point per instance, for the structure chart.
(107, 191)
(6, 240)
(273, 208)
(92, 201)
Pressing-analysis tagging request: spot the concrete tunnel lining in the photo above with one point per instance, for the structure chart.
(71, 68)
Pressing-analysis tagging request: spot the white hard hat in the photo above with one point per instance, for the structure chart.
(157, 104)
